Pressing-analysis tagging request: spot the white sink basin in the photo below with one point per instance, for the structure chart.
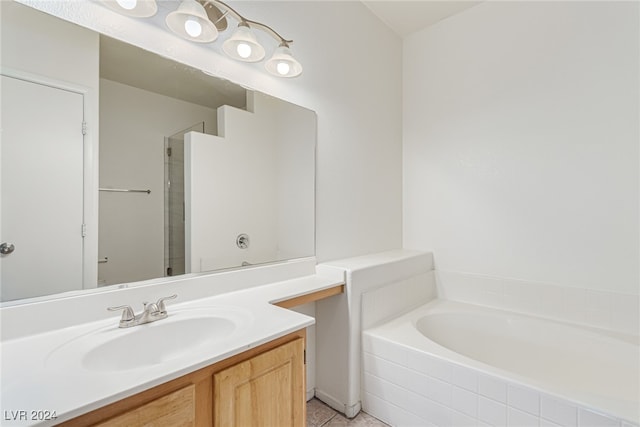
(156, 342)
(183, 334)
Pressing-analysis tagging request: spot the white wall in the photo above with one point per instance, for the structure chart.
(133, 125)
(521, 144)
(296, 131)
(56, 50)
(63, 56)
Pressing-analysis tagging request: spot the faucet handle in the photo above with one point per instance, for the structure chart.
(161, 307)
(127, 313)
(150, 307)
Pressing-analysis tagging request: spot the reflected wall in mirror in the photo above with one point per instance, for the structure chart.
(119, 165)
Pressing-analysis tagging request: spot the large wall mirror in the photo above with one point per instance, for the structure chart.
(119, 166)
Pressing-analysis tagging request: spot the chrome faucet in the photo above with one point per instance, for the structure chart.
(150, 313)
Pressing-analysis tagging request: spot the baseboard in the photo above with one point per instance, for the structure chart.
(349, 411)
(310, 394)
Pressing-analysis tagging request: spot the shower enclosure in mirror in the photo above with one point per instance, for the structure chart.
(174, 219)
(119, 165)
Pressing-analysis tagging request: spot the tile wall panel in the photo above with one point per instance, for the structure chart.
(404, 387)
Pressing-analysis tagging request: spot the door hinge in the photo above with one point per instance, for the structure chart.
(83, 230)
(304, 356)
(84, 128)
(169, 151)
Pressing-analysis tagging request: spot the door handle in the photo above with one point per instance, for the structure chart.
(6, 248)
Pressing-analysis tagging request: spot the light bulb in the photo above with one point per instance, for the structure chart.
(192, 27)
(127, 4)
(244, 50)
(282, 63)
(283, 68)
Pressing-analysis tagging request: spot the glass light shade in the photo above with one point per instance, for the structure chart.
(127, 4)
(283, 64)
(135, 8)
(190, 21)
(243, 45)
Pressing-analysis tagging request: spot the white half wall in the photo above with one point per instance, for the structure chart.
(229, 190)
(255, 178)
(521, 144)
(395, 281)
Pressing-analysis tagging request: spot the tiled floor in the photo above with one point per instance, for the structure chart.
(319, 414)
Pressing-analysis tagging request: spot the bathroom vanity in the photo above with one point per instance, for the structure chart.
(262, 386)
(215, 358)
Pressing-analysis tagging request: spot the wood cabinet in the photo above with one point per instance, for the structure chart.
(262, 391)
(174, 409)
(264, 386)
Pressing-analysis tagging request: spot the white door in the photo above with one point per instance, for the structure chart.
(41, 176)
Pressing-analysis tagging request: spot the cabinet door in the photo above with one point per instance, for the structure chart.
(176, 409)
(264, 391)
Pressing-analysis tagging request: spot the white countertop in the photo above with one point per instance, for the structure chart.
(36, 378)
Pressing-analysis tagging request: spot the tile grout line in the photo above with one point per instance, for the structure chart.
(353, 422)
(327, 422)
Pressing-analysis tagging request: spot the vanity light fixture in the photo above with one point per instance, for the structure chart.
(201, 20)
(243, 46)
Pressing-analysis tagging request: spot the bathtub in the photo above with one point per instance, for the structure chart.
(448, 364)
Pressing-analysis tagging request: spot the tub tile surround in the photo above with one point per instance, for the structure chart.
(405, 387)
(607, 310)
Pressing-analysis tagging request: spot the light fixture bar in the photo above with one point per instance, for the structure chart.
(201, 21)
(231, 11)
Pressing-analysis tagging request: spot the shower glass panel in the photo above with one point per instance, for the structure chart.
(174, 253)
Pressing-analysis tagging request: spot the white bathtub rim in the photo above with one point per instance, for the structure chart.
(411, 339)
(438, 305)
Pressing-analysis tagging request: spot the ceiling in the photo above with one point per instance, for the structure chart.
(406, 17)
